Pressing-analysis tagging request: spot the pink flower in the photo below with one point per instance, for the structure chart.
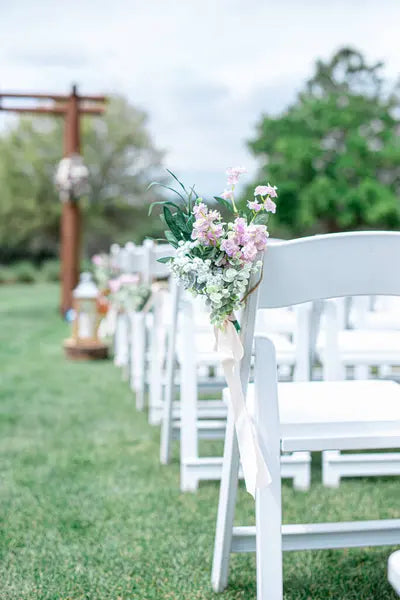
(254, 205)
(266, 190)
(258, 236)
(249, 252)
(206, 227)
(269, 205)
(114, 285)
(97, 260)
(200, 209)
(234, 174)
(240, 229)
(230, 247)
(227, 194)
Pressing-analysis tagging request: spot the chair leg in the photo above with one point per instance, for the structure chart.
(226, 508)
(330, 476)
(268, 499)
(361, 372)
(139, 354)
(302, 478)
(188, 409)
(167, 417)
(169, 389)
(269, 542)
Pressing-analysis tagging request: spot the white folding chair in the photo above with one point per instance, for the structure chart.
(147, 330)
(137, 333)
(311, 416)
(128, 259)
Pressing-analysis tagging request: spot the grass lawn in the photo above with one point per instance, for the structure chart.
(87, 512)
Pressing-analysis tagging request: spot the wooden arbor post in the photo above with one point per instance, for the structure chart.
(71, 107)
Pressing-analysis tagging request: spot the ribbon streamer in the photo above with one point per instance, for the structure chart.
(255, 470)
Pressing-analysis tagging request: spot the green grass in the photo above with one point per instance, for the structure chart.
(87, 512)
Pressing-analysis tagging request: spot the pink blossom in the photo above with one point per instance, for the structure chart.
(249, 252)
(269, 205)
(230, 247)
(227, 194)
(97, 260)
(266, 190)
(234, 174)
(256, 206)
(200, 209)
(258, 235)
(240, 225)
(114, 285)
(206, 227)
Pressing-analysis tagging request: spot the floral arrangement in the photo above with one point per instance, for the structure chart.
(128, 294)
(215, 258)
(102, 270)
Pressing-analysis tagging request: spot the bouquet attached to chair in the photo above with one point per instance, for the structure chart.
(215, 258)
(128, 294)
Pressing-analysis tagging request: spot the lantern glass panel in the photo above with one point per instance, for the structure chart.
(86, 315)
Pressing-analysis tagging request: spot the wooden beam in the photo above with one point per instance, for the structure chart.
(57, 97)
(53, 110)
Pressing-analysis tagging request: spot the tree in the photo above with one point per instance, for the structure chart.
(335, 153)
(122, 160)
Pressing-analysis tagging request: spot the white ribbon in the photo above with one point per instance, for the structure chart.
(255, 470)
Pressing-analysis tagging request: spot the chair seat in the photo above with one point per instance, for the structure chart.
(338, 415)
(394, 571)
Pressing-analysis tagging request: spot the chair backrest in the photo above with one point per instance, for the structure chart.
(329, 266)
(142, 259)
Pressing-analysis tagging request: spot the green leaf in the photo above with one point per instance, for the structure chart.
(261, 219)
(177, 180)
(161, 203)
(171, 238)
(165, 259)
(171, 222)
(224, 203)
(182, 224)
(167, 187)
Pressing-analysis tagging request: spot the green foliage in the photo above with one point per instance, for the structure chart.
(25, 272)
(7, 275)
(50, 270)
(87, 512)
(335, 153)
(122, 161)
(180, 221)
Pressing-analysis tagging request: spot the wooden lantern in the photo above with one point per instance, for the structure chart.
(85, 343)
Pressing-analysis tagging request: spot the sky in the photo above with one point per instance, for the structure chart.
(203, 70)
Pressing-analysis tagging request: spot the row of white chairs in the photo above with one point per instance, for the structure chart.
(324, 337)
(355, 352)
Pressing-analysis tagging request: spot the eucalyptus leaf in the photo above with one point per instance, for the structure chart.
(165, 259)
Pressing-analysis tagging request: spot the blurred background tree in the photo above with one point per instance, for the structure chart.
(335, 153)
(122, 160)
